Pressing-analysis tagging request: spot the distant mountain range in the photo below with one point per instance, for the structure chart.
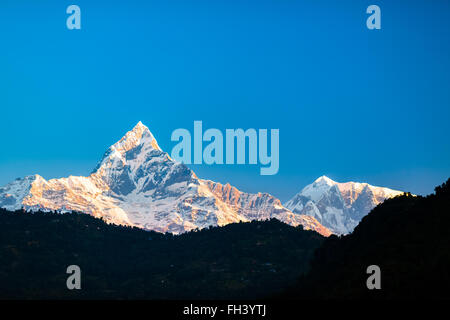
(338, 206)
(138, 184)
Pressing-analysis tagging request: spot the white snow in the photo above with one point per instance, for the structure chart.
(137, 184)
(339, 211)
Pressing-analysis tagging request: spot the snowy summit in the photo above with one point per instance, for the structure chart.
(338, 206)
(138, 184)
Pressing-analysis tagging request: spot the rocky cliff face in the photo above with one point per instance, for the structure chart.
(138, 184)
(338, 206)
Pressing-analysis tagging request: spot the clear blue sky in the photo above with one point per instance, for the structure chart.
(350, 103)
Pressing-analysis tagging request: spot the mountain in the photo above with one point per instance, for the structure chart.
(406, 237)
(338, 206)
(137, 184)
(237, 261)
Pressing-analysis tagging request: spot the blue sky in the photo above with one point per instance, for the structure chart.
(350, 103)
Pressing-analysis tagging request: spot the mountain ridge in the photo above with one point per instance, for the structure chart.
(339, 206)
(137, 184)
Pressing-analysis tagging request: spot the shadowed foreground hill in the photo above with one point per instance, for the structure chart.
(407, 237)
(246, 260)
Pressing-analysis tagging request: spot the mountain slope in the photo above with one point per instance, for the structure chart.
(138, 184)
(338, 206)
(407, 237)
(242, 260)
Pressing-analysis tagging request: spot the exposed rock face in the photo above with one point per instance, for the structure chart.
(338, 206)
(137, 184)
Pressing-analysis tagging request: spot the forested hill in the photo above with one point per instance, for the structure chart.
(408, 237)
(246, 260)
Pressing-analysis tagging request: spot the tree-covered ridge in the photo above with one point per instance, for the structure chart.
(245, 260)
(408, 237)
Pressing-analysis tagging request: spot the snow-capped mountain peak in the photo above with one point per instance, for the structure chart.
(13, 194)
(139, 135)
(138, 184)
(318, 188)
(338, 206)
(134, 158)
(325, 180)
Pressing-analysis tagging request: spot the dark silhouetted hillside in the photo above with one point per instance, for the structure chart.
(246, 260)
(407, 237)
